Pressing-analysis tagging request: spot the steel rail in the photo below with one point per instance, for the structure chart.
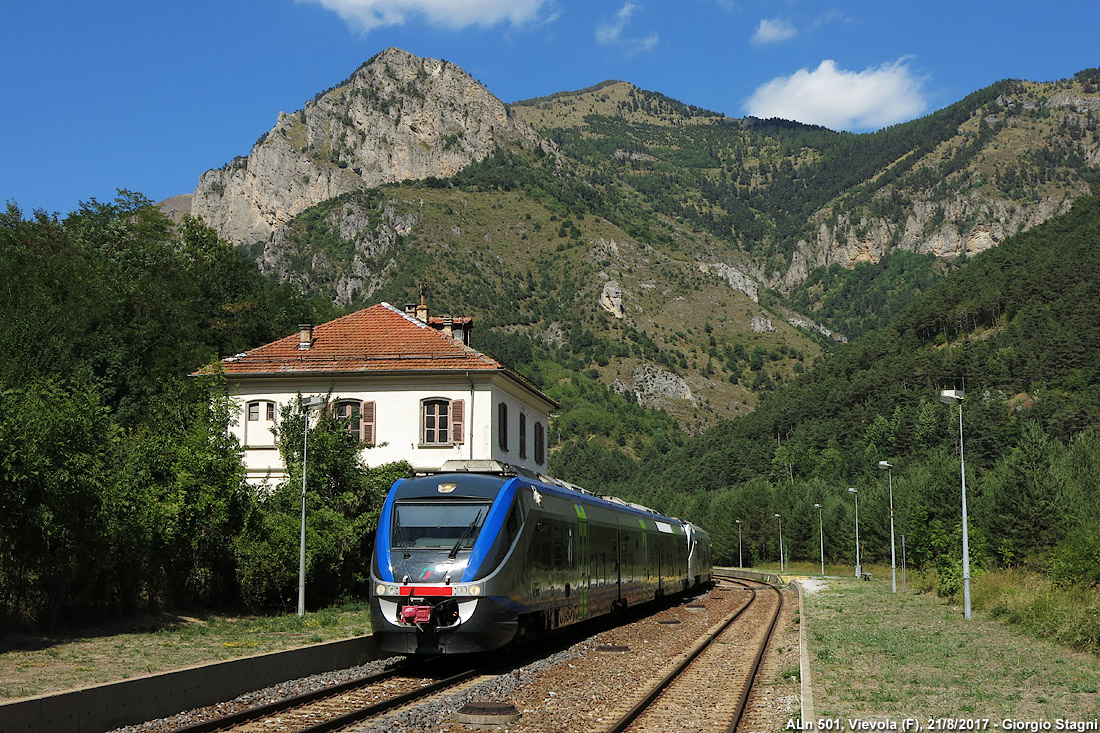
(744, 701)
(228, 722)
(624, 722)
(369, 711)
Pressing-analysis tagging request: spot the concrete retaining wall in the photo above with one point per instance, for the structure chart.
(104, 707)
(752, 575)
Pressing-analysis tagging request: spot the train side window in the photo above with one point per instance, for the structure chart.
(557, 543)
(511, 524)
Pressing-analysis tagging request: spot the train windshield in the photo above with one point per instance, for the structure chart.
(451, 525)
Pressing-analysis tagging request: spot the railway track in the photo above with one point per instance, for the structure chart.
(710, 688)
(341, 705)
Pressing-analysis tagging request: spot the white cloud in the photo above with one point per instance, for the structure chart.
(610, 33)
(773, 31)
(842, 100)
(367, 15)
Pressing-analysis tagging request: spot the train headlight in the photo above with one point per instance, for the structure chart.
(460, 590)
(380, 590)
(475, 590)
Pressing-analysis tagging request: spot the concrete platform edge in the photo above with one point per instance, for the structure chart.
(807, 691)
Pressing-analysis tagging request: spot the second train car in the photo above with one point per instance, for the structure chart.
(481, 555)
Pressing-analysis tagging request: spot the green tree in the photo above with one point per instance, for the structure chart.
(343, 501)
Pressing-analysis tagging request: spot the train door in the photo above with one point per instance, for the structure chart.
(618, 566)
(584, 561)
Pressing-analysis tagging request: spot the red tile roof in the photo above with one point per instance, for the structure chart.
(376, 339)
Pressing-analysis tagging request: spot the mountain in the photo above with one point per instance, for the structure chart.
(798, 197)
(689, 261)
(1017, 329)
(397, 117)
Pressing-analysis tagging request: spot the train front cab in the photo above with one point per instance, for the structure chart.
(441, 543)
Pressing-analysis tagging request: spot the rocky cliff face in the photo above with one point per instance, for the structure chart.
(398, 117)
(928, 228)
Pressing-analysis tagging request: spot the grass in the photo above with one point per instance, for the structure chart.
(38, 664)
(881, 656)
(1068, 616)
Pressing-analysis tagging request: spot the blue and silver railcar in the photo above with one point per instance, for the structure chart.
(471, 561)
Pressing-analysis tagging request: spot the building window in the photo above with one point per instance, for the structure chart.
(260, 424)
(522, 435)
(442, 422)
(502, 425)
(359, 417)
(540, 445)
(261, 410)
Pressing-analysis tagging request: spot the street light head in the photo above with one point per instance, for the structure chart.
(738, 521)
(310, 403)
(852, 491)
(951, 396)
(817, 506)
(885, 465)
(778, 515)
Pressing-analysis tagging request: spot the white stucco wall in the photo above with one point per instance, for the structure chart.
(397, 418)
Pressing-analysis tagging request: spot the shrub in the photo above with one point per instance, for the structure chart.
(1076, 559)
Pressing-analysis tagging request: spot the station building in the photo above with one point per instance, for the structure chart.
(410, 386)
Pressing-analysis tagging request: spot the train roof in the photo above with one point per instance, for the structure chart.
(507, 470)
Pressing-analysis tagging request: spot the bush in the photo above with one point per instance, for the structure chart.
(1076, 559)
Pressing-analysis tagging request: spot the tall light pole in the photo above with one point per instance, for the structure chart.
(887, 466)
(306, 406)
(821, 536)
(781, 564)
(859, 567)
(740, 559)
(955, 397)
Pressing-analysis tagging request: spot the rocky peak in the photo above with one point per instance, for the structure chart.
(397, 117)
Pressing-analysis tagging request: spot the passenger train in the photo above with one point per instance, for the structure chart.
(483, 554)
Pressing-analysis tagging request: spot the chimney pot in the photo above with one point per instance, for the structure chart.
(305, 336)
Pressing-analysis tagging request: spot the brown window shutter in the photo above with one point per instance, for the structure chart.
(368, 422)
(522, 435)
(458, 421)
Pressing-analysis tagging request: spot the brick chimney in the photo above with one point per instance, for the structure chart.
(422, 309)
(305, 336)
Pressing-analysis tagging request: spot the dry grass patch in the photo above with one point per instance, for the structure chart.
(37, 664)
(880, 656)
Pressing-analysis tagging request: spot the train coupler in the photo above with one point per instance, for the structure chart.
(417, 615)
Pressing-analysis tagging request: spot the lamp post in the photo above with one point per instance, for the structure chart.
(859, 567)
(955, 397)
(740, 559)
(821, 536)
(781, 564)
(306, 406)
(887, 466)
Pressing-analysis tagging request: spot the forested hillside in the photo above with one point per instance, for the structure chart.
(1017, 328)
(121, 489)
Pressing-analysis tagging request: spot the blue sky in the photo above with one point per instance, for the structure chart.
(148, 95)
